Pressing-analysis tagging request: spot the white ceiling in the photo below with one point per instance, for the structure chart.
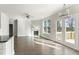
(37, 11)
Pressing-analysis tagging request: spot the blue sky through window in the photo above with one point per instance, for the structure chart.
(69, 20)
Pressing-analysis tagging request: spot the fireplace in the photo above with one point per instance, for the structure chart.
(36, 33)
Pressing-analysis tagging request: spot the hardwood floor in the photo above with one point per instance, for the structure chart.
(38, 46)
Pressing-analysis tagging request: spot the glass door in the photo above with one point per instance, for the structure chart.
(70, 29)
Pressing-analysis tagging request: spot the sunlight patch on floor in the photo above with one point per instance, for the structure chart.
(47, 45)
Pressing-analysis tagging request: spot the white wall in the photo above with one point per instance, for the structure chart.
(35, 26)
(24, 26)
(28, 27)
(11, 21)
(35, 22)
(52, 36)
(4, 30)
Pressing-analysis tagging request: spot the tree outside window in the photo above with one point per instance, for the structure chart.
(47, 24)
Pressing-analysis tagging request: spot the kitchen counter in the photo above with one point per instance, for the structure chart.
(4, 38)
(6, 45)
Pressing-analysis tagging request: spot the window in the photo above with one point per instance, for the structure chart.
(59, 29)
(69, 23)
(46, 26)
(70, 29)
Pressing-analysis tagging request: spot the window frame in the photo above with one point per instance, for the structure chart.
(46, 25)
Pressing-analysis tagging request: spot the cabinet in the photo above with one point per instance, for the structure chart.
(7, 48)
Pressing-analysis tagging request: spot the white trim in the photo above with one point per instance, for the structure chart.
(23, 35)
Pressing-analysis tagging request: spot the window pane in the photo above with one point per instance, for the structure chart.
(46, 26)
(49, 24)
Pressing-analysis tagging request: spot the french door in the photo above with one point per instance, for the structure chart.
(65, 29)
(70, 29)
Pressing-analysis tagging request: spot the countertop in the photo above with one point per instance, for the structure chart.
(4, 38)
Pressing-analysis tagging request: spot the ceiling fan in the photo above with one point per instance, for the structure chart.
(27, 15)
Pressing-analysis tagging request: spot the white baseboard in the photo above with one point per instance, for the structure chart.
(21, 35)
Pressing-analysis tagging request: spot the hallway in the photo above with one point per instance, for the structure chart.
(39, 46)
